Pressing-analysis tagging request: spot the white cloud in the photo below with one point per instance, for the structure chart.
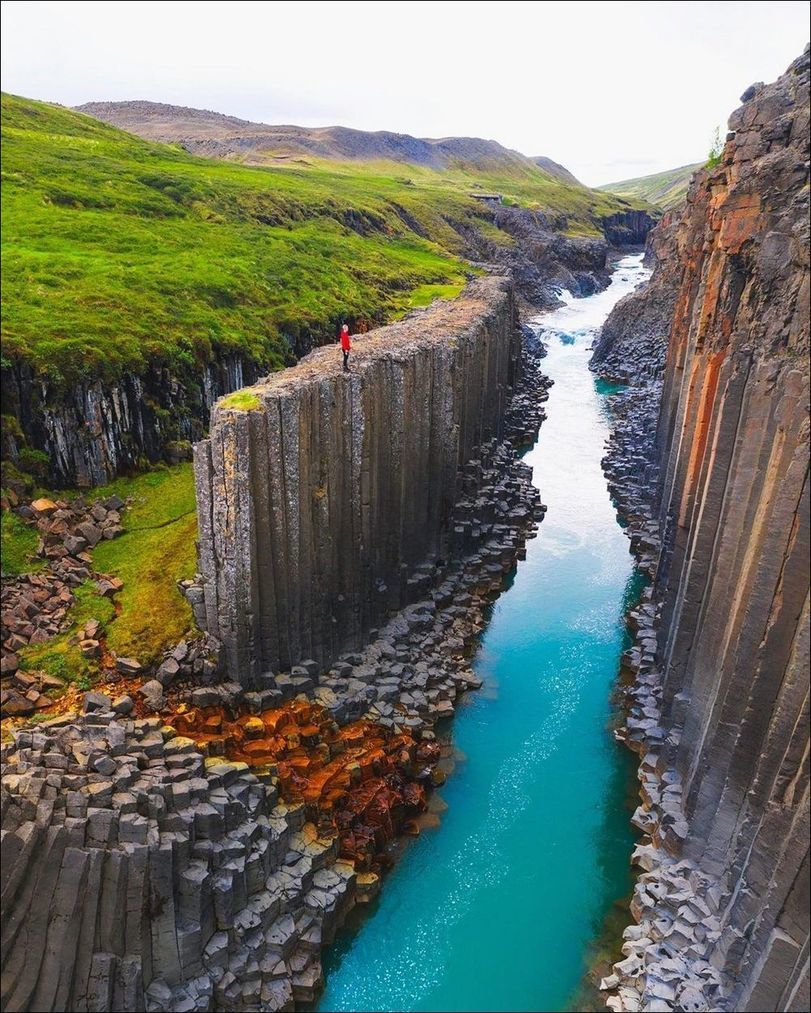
(608, 89)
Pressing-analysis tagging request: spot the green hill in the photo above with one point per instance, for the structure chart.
(665, 189)
(119, 252)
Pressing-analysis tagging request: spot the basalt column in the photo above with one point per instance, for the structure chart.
(735, 506)
(320, 493)
(725, 747)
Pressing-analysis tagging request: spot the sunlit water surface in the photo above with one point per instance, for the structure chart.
(497, 908)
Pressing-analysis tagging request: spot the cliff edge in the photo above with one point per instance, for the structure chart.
(322, 493)
(719, 707)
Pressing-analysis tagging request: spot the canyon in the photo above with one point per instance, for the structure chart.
(370, 556)
(236, 823)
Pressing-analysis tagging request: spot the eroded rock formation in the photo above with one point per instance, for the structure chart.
(334, 498)
(719, 704)
(93, 431)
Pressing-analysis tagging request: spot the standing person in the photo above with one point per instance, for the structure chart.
(346, 345)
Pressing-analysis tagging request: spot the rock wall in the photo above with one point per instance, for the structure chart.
(735, 440)
(94, 431)
(719, 709)
(631, 345)
(325, 504)
(544, 259)
(627, 228)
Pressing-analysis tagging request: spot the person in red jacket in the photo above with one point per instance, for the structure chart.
(346, 345)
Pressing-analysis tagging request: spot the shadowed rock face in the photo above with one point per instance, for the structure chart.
(318, 507)
(631, 345)
(734, 439)
(730, 741)
(93, 431)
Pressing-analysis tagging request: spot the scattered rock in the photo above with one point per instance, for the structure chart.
(94, 701)
(128, 666)
(152, 693)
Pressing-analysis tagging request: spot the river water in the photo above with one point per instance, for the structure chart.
(497, 908)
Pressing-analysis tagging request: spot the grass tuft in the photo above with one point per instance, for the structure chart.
(241, 400)
(19, 543)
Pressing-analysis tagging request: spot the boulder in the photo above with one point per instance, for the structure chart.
(94, 701)
(9, 664)
(90, 532)
(152, 694)
(90, 648)
(14, 704)
(123, 704)
(43, 506)
(75, 544)
(128, 666)
(167, 671)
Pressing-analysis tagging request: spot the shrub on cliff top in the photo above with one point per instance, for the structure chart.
(716, 149)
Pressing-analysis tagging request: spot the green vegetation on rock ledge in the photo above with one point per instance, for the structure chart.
(119, 253)
(241, 400)
(156, 549)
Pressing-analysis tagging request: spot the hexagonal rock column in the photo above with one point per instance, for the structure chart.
(322, 494)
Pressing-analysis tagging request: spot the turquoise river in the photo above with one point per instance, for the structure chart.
(498, 907)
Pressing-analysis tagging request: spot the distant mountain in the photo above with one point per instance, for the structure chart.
(665, 189)
(211, 134)
(556, 169)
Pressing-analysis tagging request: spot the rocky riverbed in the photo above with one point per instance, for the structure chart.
(675, 905)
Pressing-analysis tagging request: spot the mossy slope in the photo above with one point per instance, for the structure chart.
(119, 253)
(664, 189)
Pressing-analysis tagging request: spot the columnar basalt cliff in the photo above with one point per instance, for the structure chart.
(93, 431)
(326, 501)
(719, 704)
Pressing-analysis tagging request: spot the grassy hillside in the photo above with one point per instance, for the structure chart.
(665, 189)
(156, 550)
(118, 252)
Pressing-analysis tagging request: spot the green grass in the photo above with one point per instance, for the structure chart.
(61, 656)
(665, 189)
(119, 253)
(241, 400)
(424, 295)
(156, 550)
(19, 543)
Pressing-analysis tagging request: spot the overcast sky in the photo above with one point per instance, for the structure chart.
(611, 90)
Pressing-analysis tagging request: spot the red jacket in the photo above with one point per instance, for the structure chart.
(346, 344)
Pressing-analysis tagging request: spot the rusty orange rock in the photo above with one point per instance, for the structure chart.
(363, 782)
